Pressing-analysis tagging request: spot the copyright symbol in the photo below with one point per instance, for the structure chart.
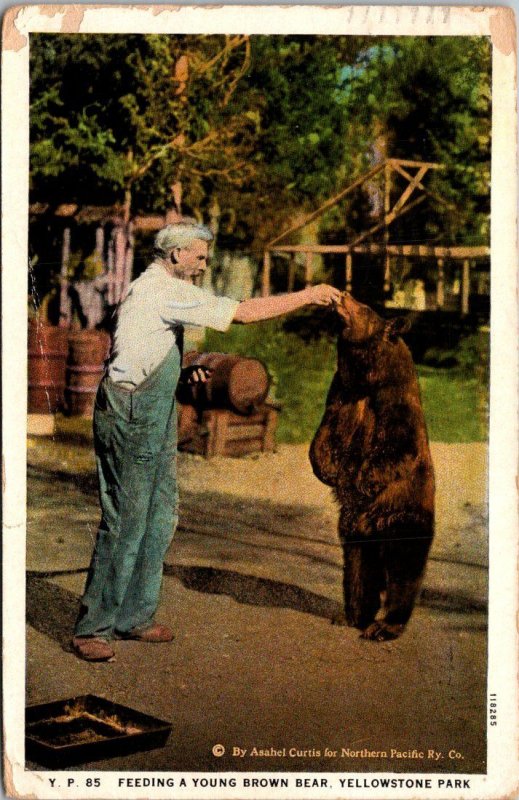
(218, 750)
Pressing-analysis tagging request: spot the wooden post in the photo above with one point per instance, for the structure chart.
(64, 299)
(100, 241)
(265, 278)
(440, 285)
(387, 209)
(465, 286)
(100, 250)
(128, 260)
(309, 269)
(268, 444)
(349, 271)
(119, 262)
(110, 270)
(291, 272)
(219, 422)
(387, 272)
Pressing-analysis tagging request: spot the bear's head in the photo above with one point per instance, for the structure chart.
(370, 351)
(360, 324)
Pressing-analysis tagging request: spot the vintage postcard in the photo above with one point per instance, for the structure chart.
(260, 402)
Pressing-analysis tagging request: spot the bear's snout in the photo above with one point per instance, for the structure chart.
(359, 321)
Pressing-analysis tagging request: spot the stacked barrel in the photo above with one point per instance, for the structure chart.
(87, 353)
(65, 368)
(229, 414)
(47, 352)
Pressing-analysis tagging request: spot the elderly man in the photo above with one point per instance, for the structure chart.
(135, 433)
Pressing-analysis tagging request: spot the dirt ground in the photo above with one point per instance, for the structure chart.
(251, 583)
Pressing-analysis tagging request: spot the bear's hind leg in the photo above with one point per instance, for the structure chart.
(362, 583)
(404, 560)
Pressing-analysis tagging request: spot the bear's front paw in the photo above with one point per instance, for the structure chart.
(339, 619)
(382, 632)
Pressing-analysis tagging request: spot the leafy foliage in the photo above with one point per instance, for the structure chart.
(252, 124)
(142, 113)
(429, 98)
(261, 128)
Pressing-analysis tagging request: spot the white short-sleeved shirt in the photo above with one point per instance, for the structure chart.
(156, 304)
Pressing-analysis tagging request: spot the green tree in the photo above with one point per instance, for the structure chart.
(125, 118)
(429, 98)
(301, 153)
(259, 129)
(256, 123)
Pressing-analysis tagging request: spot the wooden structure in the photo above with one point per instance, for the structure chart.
(114, 244)
(414, 193)
(221, 432)
(229, 414)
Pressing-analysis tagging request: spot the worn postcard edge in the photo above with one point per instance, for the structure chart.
(496, 22)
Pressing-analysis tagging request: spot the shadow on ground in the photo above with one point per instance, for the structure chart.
(52, 609)
(239, 532)
(40, 477)
(251, 590)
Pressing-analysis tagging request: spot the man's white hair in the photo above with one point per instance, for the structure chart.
(180, 234)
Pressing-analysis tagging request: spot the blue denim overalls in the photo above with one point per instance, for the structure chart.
(135, 437)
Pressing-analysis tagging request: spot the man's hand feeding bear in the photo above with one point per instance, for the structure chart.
(372, 448)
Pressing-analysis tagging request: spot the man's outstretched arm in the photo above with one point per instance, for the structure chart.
(258, 308)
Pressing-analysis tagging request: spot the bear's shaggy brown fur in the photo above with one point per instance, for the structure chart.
(372, 448)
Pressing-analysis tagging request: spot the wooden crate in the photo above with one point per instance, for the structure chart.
(220, 432)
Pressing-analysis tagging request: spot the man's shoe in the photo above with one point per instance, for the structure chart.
(153, 633)
(92, 648)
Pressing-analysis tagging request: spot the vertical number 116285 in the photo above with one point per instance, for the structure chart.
(492, 710)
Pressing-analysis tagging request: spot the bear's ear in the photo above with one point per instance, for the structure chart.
(396, 327)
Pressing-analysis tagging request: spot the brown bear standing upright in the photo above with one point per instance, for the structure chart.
(372, 448)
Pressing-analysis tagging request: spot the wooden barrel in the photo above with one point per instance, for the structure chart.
(87, 353)
(236, 382)
(47, 355)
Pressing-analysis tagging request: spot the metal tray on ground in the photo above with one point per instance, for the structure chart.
(88, 728)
